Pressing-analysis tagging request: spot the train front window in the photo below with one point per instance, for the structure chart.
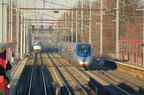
(83, 48)
(37, 44)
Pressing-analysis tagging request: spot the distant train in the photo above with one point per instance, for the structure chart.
(37, 46)
(78, 54)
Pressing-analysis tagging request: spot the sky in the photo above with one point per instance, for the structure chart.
(50, 4)
(47, 14)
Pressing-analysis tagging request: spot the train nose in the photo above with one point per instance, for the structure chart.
(84, 64)
(85, 60)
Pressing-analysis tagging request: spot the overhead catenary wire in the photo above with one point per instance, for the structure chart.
(58, 4)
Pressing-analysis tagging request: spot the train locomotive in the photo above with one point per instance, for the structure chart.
(78, 54)
(37, 46)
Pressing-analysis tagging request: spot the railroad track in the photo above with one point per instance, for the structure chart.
(74, 82)
(63, 78)
(23, 84)
(37, 85)
(107, 86)
(35, 79)
(110, 85)
(60, 78)
(120, 80)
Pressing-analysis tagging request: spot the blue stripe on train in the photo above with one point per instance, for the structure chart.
(84, 54)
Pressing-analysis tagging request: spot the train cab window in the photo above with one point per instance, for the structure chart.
(83, 48)
(37, 44)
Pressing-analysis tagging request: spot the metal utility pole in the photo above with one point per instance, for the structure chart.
(67, 29)
(117, 29)
(17, 30)
(72, 27)
(10, 20)
(24, 28)
(76, 21)
(27, 38)
(90, 21)
(101, 32)
(21, 42)
(143, 37)
(82, 21)
(22, 34)
(64, 28)
(10, 28)
(3, 20)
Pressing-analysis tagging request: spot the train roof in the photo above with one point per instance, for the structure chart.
(74, 43)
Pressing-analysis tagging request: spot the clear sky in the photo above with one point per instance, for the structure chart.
(48, 14)
(51, 4)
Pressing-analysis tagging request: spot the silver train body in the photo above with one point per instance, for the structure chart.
(37, 47)
(78, 54)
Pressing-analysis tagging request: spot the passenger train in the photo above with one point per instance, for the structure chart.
(78, 54)
(37, 46)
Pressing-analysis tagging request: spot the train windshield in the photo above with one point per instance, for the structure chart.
(83, 48)
(37, 44)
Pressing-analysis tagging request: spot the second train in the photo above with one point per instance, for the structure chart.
(37, 46)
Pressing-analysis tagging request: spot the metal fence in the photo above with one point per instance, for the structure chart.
(131, 50)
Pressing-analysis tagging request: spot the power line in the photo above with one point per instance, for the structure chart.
(58, 4)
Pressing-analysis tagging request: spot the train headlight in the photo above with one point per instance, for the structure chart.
(81, 62)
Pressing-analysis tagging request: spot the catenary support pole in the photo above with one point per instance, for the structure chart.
(17, 30)
(72, 30)
(1, 23)
(143, 37)
(10, 29)
(90, 21)
(82, 21)
(117, 29)
(76, 22)
(4, 21)
(101, 33)
(21, 41)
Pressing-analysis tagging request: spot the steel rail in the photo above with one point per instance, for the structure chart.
(43, 77)
(59, 73)
(124, 81)
(80, 85)
(123, 92)
(31, 78)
